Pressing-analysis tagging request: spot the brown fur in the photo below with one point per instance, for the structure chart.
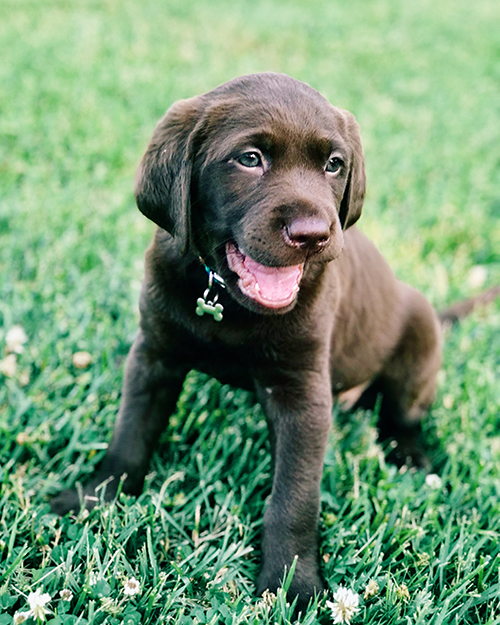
(353, 325)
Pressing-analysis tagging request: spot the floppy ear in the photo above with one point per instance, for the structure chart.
(354, 194)
(163, 180)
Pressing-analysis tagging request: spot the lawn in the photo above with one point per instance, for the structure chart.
(82, 84)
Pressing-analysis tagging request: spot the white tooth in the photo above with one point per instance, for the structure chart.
(257, 288)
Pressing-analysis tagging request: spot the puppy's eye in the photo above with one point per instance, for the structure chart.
(334, 164)
(250, 159)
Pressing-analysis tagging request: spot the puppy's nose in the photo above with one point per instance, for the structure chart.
(307, 234)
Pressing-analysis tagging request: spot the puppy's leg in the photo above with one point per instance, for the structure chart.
(407, 384)
(150, 391)
(298, 409)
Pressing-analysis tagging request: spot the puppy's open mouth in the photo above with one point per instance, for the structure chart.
(273, 287)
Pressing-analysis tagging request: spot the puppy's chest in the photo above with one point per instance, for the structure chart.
(232, 354)
(230, 364)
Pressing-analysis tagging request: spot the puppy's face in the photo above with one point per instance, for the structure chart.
(267, 198)
(274, 169)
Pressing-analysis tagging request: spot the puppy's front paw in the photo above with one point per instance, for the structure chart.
(71, 501)
(306, 583)
(408, 450)
(67, 501)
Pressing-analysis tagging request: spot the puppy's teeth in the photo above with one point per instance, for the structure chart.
(257, 288)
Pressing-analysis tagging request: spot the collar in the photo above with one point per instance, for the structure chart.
(212, 275)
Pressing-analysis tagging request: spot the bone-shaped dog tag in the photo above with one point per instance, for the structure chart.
(203, 304)
(209, 308)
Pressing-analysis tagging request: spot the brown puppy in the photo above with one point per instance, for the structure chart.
(263, 179)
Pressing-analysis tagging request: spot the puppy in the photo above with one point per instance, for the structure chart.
(258, 276)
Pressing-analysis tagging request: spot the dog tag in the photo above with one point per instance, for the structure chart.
(206, 306)
(209, 308)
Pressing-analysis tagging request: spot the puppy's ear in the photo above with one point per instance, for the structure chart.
(354, 194)
(163, 180)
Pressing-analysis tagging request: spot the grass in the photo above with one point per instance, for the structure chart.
(82, 85)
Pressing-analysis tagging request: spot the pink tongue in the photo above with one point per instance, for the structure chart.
(274, 287)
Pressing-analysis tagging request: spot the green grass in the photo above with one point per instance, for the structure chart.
(82, 84)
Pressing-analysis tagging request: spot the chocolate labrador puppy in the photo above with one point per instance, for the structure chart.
(257, 276)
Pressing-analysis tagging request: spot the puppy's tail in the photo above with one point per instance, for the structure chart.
(454, 313)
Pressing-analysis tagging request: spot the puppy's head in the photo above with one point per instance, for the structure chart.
(260, 177)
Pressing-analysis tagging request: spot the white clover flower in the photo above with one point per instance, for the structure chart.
(448, 402)
(131, 587)
(21, 617)
(15, 339)
(66, 594)
(110, 606)
(371, 589)
(403, 593)
(477, 276)
(24, 378)
(37, 603)
(268, 598)
(8, 366)
(81, 360)
(433, 481)
(345, 605)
